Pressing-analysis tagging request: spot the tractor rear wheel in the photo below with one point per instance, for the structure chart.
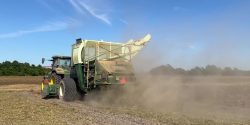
(67, 89)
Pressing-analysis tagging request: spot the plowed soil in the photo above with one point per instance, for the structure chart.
(199, 100)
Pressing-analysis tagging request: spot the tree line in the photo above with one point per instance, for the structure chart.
(16, 68)
(207, 70)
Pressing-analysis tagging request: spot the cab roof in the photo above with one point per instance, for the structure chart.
(61, 57)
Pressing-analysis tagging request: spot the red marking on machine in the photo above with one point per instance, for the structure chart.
(123, 80)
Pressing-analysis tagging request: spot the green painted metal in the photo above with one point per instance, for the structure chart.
(52, 90)
(80, 77)
(66, 72)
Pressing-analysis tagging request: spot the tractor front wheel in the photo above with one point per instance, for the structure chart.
(67, 89)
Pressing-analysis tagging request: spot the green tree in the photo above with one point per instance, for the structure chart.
(16, 68)
(196, 71)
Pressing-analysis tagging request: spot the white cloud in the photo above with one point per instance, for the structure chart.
(80, 6)
(76, 6)
(52, 26)
(124, 21)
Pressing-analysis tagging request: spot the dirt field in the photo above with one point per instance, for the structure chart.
(155, 100)
(10, 80)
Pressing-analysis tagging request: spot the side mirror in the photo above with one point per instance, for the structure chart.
(43, 60)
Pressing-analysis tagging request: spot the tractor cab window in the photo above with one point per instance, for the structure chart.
(64, 63)
(55, 63)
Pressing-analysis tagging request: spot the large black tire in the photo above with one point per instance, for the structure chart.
(57, 77)
(67, 90)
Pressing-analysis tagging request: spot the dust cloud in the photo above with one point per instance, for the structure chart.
(181, 45)
(197, 96)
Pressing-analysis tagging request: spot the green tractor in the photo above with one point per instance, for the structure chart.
(59, 68)
(92, 65)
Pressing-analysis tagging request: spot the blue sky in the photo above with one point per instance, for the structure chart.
(185, 33)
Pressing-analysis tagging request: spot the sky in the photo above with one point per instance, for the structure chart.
(185, 33)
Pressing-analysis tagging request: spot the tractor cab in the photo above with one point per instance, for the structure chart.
(63, 62)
